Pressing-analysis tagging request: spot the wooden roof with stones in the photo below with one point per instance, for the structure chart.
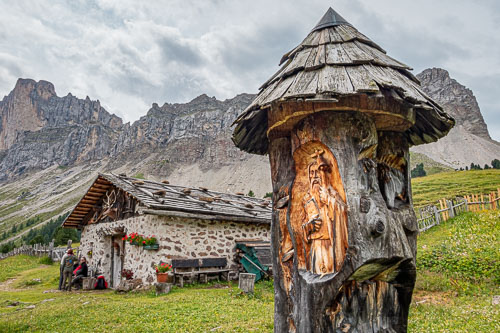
(162, 198)
(338, 67)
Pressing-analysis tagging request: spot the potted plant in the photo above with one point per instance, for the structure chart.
(150, 243)
(134, 239)
(127, 274)
(162, 270)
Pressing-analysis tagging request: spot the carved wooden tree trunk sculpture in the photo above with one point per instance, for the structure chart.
(337, 121)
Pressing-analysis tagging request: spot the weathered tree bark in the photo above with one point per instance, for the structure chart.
(343, 231)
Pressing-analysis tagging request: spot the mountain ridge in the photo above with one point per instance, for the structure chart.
(52, 147)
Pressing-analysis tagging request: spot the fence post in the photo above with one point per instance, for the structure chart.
(436, 215)
(451, 208)
(69, 243)
(51, 249)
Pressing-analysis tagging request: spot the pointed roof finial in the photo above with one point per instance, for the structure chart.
(330, 19)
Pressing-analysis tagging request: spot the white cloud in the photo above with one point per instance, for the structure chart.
(129, 54)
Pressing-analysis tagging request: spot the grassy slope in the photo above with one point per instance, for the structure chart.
(190, 309)
(429, 189)
(453, 293)
(430, 166)
(458, 272)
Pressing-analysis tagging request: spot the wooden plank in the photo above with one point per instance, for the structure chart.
(482, 202)
(89, 201)
(361, 79)
(345, 33)
(380, 76)
(312, 39)
(101, 186)
(230, 218)
(279, 90)
(336, 55)
(379, 57)
(85, 205)
(402, 82)
(334, 79)
(305, 84)
(334, 35)
(90, 196)
(320, 59)
(81, 210)
(357, 55)
(298, 62)
(324, 37)
(312, 57)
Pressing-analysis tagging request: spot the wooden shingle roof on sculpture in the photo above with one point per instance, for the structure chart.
(337, 68)
(172, 200)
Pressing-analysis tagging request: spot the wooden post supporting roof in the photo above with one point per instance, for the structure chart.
(337, 121)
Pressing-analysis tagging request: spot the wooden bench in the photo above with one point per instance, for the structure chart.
(190, 268)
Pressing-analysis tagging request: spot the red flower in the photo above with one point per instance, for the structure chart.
(143, 242)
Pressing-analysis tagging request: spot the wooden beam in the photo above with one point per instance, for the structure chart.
(88, 196)
(86, 209)
(97, 190)
(98, 194)
(85, 205)
(206, 216)
(101, 186)
(89, 201)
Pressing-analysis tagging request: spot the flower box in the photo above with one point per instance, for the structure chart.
(152, 247)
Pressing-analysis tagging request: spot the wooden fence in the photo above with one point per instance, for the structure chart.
(431, 215)
(39, 250)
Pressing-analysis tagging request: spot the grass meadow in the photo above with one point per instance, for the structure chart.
(458, 265)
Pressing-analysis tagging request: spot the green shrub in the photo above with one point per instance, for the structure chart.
(46, 260)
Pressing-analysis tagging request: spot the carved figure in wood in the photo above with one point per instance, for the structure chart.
(325, 228)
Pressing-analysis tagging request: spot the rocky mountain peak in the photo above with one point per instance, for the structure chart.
(42, 89)
(39, 129)
(19, 111)
(456, 99)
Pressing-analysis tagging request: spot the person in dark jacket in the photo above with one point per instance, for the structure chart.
(80, 272)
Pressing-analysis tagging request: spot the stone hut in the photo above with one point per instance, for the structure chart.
(188, 223)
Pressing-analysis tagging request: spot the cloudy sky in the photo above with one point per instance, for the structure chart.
(130, 54)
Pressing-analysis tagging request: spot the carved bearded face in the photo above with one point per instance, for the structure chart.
(315, 181)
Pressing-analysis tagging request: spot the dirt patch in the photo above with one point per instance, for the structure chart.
(434, 298)
(217, 286)
(7, 285)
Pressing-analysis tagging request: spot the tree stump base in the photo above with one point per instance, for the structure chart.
(162, 288)
(246, 282)
(88, 283)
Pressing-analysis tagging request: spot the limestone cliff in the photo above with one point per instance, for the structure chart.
(469, 141)
(39, 129)
(456, 99)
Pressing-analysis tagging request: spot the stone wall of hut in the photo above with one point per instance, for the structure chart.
(178, 239)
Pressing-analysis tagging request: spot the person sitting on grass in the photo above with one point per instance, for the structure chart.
(79, 273)
(68, 269)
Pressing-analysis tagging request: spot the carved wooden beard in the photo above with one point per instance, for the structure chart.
(316, 183)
